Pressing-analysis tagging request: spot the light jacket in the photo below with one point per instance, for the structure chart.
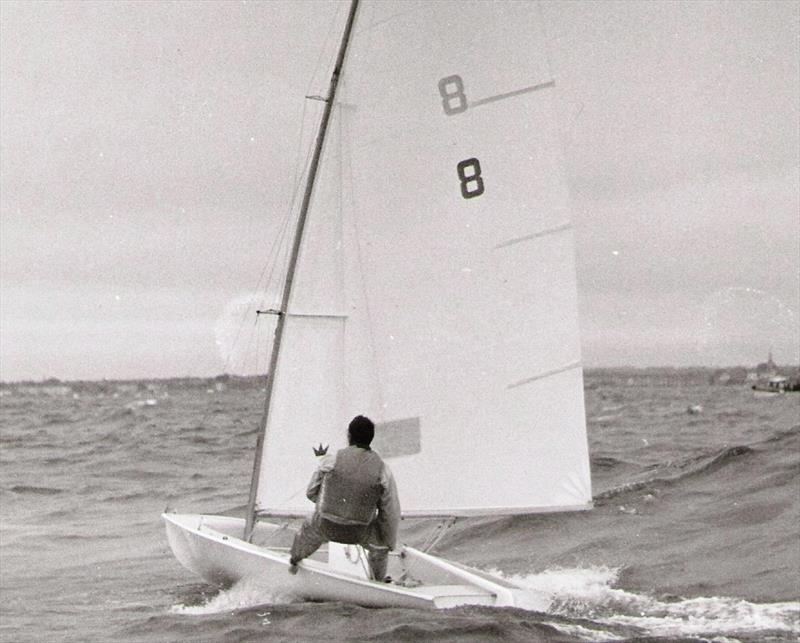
(354, 486)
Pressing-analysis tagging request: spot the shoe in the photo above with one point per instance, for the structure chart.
(293, 566)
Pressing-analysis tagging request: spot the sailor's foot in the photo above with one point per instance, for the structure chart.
(293, 566)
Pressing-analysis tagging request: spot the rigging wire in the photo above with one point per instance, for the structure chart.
(434, 537)
(301, 165)
(359, 558)
(301, 169)
(271, 259)
(273, 272)
(277, 255)
(325, 48)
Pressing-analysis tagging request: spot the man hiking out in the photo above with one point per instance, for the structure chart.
(356, 502)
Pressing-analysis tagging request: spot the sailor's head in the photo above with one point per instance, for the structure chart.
(361, 431)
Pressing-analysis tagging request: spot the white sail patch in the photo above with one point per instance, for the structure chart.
(397, 438)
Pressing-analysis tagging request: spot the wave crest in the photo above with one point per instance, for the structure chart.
(589, 593)
(244, 595)
(684, 470)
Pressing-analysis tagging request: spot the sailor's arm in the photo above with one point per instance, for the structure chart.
(389, 508)
(326, 463)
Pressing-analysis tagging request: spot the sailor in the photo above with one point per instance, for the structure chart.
(356, 501)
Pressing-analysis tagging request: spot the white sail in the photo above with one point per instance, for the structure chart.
(435, 290)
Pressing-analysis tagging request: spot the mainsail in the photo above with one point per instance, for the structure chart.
(435, 289)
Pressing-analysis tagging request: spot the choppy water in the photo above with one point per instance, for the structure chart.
(695, 533)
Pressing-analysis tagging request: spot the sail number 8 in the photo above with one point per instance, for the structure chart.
(469, 173)
(451, 89)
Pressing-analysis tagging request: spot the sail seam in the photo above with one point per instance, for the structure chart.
(542, 233)
(540, 376)
(516, 92)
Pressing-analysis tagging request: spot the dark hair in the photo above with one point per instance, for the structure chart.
(361, 430)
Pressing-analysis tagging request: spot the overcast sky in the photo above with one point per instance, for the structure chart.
(148, 150)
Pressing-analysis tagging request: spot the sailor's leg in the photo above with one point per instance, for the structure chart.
(378, 557)
(307, 540)
(377, 552)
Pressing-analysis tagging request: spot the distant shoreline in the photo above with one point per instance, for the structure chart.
(735, 375)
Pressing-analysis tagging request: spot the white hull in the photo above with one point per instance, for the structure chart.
(211, 546)
(761, 393)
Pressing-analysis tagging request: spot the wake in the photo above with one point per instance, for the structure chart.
(244, 595)
(589, 594)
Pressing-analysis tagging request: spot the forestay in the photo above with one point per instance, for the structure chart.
(435, 290)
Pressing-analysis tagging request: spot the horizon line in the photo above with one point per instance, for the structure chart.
(54, 379)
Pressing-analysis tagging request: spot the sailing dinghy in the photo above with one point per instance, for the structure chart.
(431, 286)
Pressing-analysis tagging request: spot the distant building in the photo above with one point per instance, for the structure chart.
(767, 369)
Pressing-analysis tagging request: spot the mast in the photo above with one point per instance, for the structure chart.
(287, 288)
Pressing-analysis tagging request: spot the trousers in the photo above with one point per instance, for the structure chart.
(316, 531)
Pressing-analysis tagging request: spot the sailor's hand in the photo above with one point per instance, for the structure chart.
(320, 450)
